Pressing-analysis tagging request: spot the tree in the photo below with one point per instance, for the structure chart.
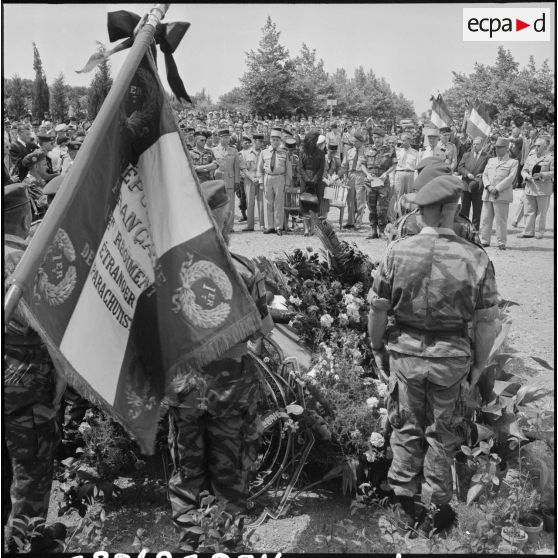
(59, 100)
(77, 101)
(202, 100)
(40, 97)
(510, 93)
(99, 87)
(269, 74)
(234, 101)
(17, 93)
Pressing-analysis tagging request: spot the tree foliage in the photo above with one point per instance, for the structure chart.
(234, 101)
(99, 87)
(17, 96)
(59, 99)
(510, 93)
(40, 96)
(274, 83)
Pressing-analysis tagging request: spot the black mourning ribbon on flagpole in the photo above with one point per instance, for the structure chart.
(121, 25)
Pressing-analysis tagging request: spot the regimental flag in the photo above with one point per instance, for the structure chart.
(440, 116)
(479, 122)
(137, 286)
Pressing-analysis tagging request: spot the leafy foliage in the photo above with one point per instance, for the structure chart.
(59, 99)
(17, 95)
(511, 93)
(41, 95)
(99, 87)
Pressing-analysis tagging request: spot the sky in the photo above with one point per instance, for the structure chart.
(414, 47)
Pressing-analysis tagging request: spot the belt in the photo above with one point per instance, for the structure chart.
(404, 170)
(23, 340)
(463, 330)
(276, 174)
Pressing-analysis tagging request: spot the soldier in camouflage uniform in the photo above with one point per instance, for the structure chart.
(380, 160)
(441, 292)
(203, 159)
(30, 427)
(214, 433)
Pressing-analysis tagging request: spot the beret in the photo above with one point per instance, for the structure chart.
(502, 142)
(53, 185)
(445, 130)
(442, 189)
(429, 161)
(61, 128)
(359, 136)
(33, 158)
(378, 132)
(224, 132)
(215, 193)
(258, 136)
(290, 142)
(429, 173)
(14, 196)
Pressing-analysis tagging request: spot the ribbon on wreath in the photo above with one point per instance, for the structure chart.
(122, 24)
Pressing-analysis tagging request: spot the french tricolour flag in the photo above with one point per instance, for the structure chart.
(138, 285)
(478, 122)
(440, 116)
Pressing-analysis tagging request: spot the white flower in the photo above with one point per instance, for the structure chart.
(372, 402)
(354, 434)
(336, 377)
(326, 320)
(382, 411)
(295, 300)
(381, 388)
(343, 319)
(356, 289)
(84, 427)
(376, 440)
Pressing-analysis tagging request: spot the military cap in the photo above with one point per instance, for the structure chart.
(359, 136)
(45, 136)
(502, 142)
(332, 147)
(61, 140)
(61, 128)
(290, 143)
(378, 131)
(199, 133)
(275, 133)
(445, 130)
(258, 136)
(215, 193)
(224, 132)
(442, 189)
(182, 125)
(29, 160)
(247, 138)
(189, 129)
(439, 168)
(36, 123)
(15, 195)
(431, 132)
(75, 145)
(53, 185)
(246, 124)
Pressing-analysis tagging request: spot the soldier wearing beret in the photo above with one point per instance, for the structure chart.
(30, 426)
(229, 169)
(380, 161)
(213, 434)
(498, 178)
(203, 158)
(428, 357)
(35, 181)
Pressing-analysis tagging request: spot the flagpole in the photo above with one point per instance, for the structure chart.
(34, 254)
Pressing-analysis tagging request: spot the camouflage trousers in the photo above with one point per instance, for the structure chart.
(427, 421)
(214, 445)
(30, 427)
(378, 203)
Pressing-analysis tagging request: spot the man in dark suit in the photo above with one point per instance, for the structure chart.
(21, 147)
(471, 168)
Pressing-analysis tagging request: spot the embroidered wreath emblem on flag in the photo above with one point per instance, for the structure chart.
(197, 300)
(56, 278)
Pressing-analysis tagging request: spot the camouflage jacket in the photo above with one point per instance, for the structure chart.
(434, 283)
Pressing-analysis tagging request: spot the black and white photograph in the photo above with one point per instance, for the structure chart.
(279, 279)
